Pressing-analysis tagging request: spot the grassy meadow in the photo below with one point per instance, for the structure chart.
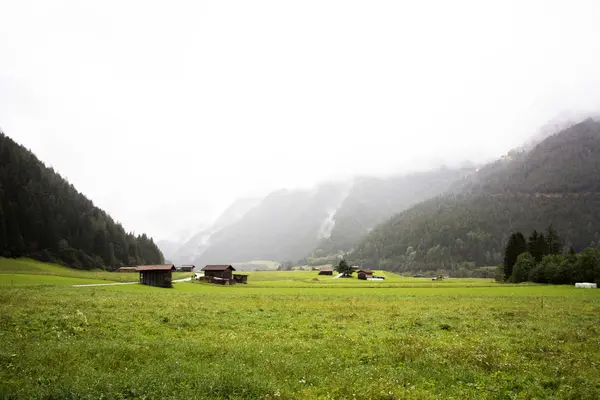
(286, 336)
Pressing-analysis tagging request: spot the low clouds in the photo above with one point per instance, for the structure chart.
(164, 113)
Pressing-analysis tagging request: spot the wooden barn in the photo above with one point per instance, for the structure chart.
(326, 271)
(156, 275)
(365, 274)
(240, 278)
(186, 268)
(127, 269)
(219, 271)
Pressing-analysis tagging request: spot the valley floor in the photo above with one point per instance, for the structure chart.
(287, 336)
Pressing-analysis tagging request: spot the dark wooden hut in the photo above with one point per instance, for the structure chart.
(365, 274)
(186, 268)
(240, 278)
(156, 275)
(127, 269)
(326, 271)
(219, 271)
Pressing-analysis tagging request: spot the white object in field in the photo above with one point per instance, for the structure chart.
(586, 285)
(375, 279)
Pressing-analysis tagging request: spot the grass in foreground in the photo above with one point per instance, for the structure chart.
(239, 342)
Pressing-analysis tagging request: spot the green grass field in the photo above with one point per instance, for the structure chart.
(285, 336)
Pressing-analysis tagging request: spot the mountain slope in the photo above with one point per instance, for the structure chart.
(196, 245)
(331, 218)
(287, 224)
(372, 200)
(557, 182)
(44, 217)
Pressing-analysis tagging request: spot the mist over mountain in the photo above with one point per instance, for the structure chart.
(308, 225)
(190, 249)
(557, 182)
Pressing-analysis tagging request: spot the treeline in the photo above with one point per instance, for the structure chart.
(44, 217)
(540, 259)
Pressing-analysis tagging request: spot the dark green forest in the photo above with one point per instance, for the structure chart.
(557, 182)
(44, 217)
(541, 259)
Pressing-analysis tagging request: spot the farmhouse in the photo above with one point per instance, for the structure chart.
(326, 271)
(186, 268)
(365, 274)
(219, 271)
(156, 275)
(221, 275)
(127, 269)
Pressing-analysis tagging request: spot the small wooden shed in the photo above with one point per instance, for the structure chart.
(156, 275)
(326, 271)
(186, 268)
(240, 278)
(219, 271)
(365, 274)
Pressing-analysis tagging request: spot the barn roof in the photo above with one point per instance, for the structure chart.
(165, 267)
(217, 268)
(365, 271)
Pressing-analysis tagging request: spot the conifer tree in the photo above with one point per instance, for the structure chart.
(516, 246)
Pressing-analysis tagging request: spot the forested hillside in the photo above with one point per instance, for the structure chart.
(44, 217)
(372, 200)
(557, 182)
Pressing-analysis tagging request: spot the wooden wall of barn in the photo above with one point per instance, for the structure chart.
(156, 278)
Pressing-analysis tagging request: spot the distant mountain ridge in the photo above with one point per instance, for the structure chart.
(326, 220)
(189, 251)
(557, 182)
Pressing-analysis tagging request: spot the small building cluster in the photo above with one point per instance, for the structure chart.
(221, 275)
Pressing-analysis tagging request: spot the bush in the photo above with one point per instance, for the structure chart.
(525, 263)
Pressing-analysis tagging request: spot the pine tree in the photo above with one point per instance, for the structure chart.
(553, 242)
(344, 268)
(516, 246)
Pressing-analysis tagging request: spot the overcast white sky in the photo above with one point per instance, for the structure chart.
(164, 112)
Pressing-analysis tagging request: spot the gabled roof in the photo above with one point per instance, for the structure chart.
(217, 268)
(365, 271)
(165, 267)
